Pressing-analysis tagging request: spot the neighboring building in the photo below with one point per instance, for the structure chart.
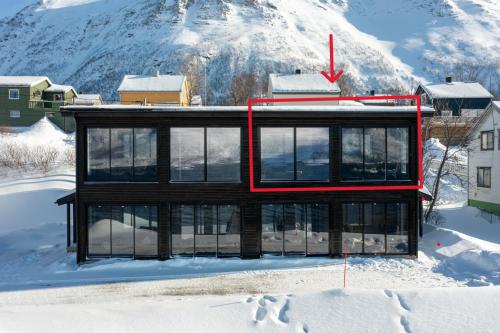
(379, 102)
(161, 182)
(88, 99)
(455, 98)
(300, 85)
(154, 90)
(463, 101)
(484, 161)
(26, 99)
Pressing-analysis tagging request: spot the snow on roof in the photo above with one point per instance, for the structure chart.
(302, 83)
(60, 88)
(457, 90)
(269, 108)
(162, 83)
(89, 97)
(497, 104)
(484, 115)
(22, 81)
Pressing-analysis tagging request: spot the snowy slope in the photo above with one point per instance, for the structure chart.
(380, 43)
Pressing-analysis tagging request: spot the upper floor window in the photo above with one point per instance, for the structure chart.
(121, 154)
(487, 140)
(483, 177)
(295, 154)
(200, 154)
(375, 153)
(13, 93)
(15, 114)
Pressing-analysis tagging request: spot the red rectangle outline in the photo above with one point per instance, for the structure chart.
(334, 188)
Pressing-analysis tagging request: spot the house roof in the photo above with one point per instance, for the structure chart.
(494, 105)
(61, 88)
(88, 99)
(302, 83)
(456, 90)
(69, 198)
(160, 83)
(22, 81)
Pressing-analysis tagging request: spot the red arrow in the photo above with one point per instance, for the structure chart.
(332, 77)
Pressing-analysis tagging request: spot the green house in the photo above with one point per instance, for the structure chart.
(26, 99)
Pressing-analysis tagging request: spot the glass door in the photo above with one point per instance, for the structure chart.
(295, 229)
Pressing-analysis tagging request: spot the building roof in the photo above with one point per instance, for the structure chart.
(159, 83)
(244, 109)
(493, 105)
(88, 99)
(456, 90)
(22, 81)
(60, 88)
(302, 83)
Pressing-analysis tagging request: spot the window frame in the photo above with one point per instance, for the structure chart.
(487, 133)
(483, 184)
(196, 206)
(18, 94)
(205, 157)
(363, 225)
(283, 204)
(133, 206)
(132, 180)
(363, 149)
(17, 114)
(295, 178)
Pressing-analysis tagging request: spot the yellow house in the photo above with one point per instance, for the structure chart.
(154, 90)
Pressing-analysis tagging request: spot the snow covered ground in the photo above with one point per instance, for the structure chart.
(453, 286)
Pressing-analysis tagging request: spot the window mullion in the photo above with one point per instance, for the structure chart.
(205, 154)
(295, 154)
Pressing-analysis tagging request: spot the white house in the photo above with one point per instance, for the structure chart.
(484, 160)
(300, 85)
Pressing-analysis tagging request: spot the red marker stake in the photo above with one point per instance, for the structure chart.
(332, 77)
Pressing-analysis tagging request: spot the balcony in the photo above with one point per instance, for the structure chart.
(49, 105)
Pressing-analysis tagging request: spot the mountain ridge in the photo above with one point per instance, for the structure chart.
(388, 45)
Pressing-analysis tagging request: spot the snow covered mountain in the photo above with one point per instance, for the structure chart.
(381, 44)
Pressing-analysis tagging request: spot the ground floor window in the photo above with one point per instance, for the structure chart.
(375, 228)
(128, 231)
(295, 228)
(205, 230)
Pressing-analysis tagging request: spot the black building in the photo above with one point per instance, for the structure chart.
(158, 182)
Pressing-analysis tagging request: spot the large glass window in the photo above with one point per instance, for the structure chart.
(352, 233)
(122, 163)
(205, 154)
(397, 153)
(375, 153)
(130, 231)
(121, 154)
(205, 230)
(291, 154)
(397, 228)
(352, 153)
(223, 154)
(295, 228)
(375, 228)
(187, 154)
(98, 157)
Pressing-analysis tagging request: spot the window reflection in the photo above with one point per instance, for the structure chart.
(223, 154)
(352, 153)
(277, 156)
(121, 154)
(313, 153)
(375, 228)
(187, 156)
(129, 231)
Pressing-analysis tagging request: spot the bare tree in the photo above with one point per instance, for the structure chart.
(451, 132)
(191, 69)
(243, 87)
